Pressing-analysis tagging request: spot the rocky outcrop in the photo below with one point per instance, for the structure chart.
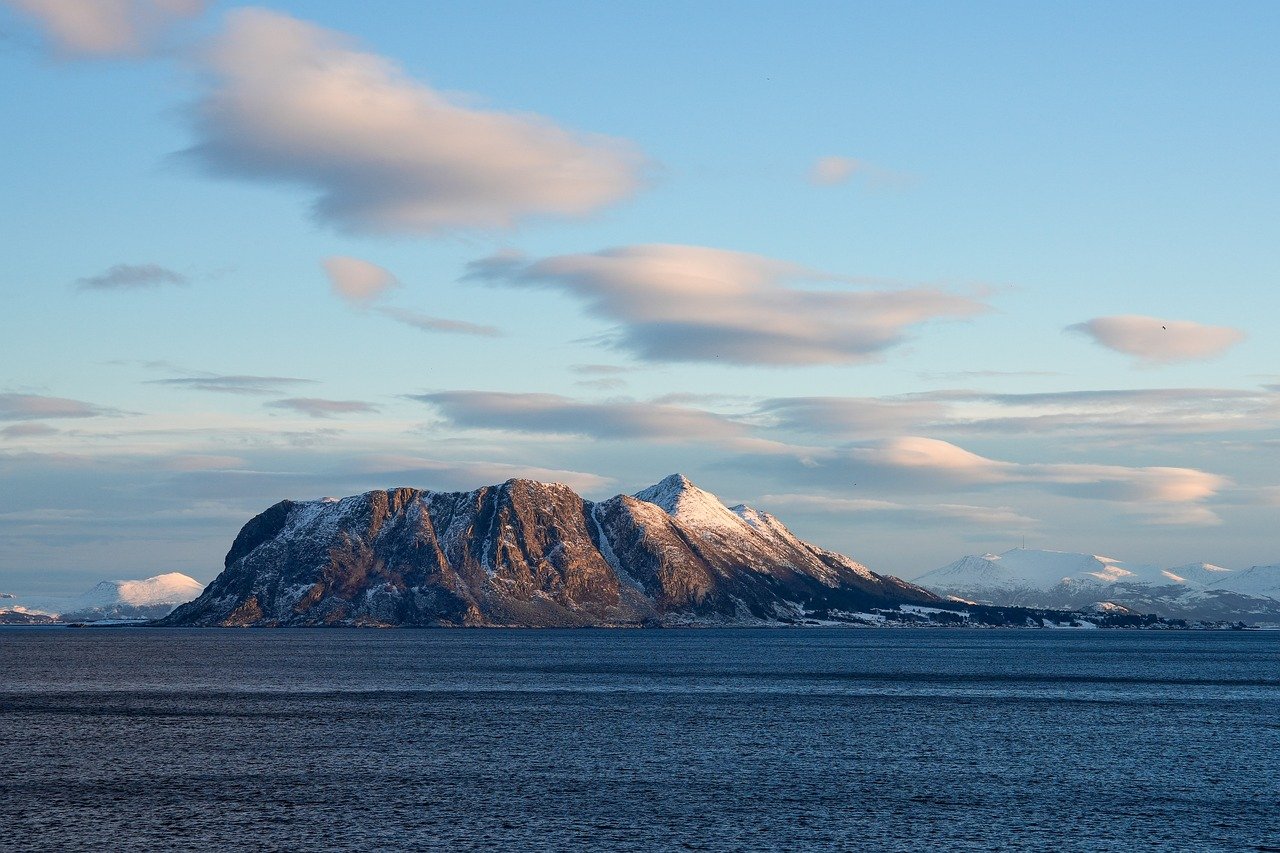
(532, 554)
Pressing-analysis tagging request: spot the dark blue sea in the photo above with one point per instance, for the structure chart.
(808, 739)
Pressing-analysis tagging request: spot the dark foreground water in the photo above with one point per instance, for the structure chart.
(821, 739)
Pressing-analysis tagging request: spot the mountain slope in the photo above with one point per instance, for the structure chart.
(1054, 579)
(525, 553)
(148, 598)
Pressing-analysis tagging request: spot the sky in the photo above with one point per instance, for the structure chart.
(922, 279)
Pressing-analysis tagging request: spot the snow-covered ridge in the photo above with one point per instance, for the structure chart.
(1059, 579)
(146, 598)
(690, 505)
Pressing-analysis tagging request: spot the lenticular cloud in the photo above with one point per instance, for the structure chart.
(293, 102)
(1158, 341)
(693, 303)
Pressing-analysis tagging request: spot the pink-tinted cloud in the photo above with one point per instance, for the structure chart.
(830, 171)
(293, 102)
(359, 282)
(233, 384)
(106, 27)
(28, 430)
(550, 413)
(692, 303)
(1156, 341)
(36, 407)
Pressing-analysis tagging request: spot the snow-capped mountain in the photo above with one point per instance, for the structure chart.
(1032, 578)
(532, 554)
(1258, 580)
(149, 598)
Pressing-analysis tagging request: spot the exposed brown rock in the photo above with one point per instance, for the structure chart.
(529, 554)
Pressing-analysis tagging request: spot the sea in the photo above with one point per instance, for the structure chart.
(620, 740)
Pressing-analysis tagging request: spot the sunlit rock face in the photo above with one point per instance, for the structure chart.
(533, 554)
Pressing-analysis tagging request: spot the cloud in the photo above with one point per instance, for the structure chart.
(235, 384)
(427, 323)
(34, 407)
(28, 430)
(692, 303)
(203, 462)
(831, 171)
(1140, 412)
(1000, 516)
(132, 277)
(320, 408)
(357, 281)
(550, 413)
(851, 416)
(1156, 341)
(921, 464)
(105, 28)
(605, 377)
(834, 171)
(600, 369)
(294, 103)
(439, 474)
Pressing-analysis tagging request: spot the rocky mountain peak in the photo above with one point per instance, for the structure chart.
(688, 504)
(526, 553)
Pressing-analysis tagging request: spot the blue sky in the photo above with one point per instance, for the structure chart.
(922, 279)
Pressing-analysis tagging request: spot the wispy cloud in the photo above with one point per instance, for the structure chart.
(851, 417)
(1156, 341)
(28, 430)
(427, 323)
(836, 170)
(104, 28)
(293, 102)
(1140, 412)
(550, 413)
(600, 369)
(359, 282)
(317, 407)
(692, 303)
(920, 464)
(35, 407)
(233, 384)
(464, 475)
(132, 277)
(996, 516)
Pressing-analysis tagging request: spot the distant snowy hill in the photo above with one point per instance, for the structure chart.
(1057, 579)
(149, 598)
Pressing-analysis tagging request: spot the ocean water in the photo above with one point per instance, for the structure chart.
(813, 739)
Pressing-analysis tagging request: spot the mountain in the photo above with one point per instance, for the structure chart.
(525, 553)
(1061, 580)
(149, 598)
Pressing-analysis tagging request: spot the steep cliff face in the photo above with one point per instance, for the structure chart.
(529, 554)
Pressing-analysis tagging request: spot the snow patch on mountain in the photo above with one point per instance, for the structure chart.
(691, 506)
(1258, 581)
(1057, 579)
(147, 598)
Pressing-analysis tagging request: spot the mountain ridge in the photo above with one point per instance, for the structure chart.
(1067, 580)
(524, 553)
(127, 599)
